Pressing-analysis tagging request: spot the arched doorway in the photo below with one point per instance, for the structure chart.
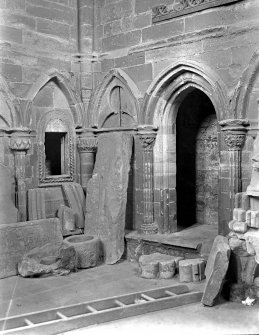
(197, 160)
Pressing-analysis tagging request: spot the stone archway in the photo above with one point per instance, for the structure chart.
(161, 105)
(197, 161)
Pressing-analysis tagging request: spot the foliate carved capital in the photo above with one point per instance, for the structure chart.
(147, 141)
(20, 144)
(147, 136)
(87, 144)
(234, 131)
(234, 141)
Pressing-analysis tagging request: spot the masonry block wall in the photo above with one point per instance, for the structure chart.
(223, 41)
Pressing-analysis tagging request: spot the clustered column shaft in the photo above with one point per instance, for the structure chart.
(147, 136)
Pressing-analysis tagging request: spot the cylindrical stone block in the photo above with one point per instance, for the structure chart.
(241, 214)
(248, 218)
(239, 227)
(149, 269)
(192, 270)
(166, 269)
(235, 214)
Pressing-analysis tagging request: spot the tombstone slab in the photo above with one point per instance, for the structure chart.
(8, 211)
(107, 194)
(16, 239)
(216, 270)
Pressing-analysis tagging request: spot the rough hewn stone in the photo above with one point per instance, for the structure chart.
(107, 194)
(216, 270)
(18, 238)
(192, 270)
(157, 265)
(48, 259)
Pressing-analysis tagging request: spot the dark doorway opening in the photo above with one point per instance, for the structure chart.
(54, 153)
(196, 161)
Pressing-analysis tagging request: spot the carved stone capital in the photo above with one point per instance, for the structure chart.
(87, 144)
(147, 136)
(234, 131)
(20, 140)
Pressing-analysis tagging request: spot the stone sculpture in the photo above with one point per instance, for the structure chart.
(107, 194)
(8, 211)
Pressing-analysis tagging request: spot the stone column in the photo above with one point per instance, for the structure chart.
(234, 132)
(20, 143)
(87, 146)
(147, 136)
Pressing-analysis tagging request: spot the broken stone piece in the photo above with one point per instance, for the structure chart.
(216, 270)
(158, 265)
(67, 218)
(149, 266)
(48, 259)
(252, 243)
(192, 270)
(75, 198)
(16, 239)
(8, 211)
(238, 227)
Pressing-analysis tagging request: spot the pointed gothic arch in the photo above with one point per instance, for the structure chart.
(11, 117)
(98, 111)
(240, 100)
(161, 104)
(72, 96)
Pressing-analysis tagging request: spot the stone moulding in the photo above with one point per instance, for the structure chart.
(183, 7)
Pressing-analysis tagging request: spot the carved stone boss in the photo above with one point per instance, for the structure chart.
(87, 146)
(147, 136)
(183, 7)
(20, 143)
(234, 132)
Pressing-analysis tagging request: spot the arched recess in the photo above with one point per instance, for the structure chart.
(117, 93)
(161, 105)
(62, 80)
(10, 107)
(240, 102)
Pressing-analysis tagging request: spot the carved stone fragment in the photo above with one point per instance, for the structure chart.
(107, 194)
(48, 259)
(192, 270)
(16, 239)
(76, 200)
(36, 204)
(158, 265)
(216, 270)
(8, 211)
(67, 219)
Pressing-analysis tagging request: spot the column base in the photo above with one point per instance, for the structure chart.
(148, 228)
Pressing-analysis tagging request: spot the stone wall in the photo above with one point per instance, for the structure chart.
(218, 44)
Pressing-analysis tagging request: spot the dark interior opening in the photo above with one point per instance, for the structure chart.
(54, 152)
(194, 109)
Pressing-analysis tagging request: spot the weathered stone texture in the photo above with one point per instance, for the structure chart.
(107, 194)
(48, 260)
(8, 211)
(18, 238)
(216, 270)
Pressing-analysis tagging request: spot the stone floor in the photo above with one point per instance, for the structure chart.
(19, 295)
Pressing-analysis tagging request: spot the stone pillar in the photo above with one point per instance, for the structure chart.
(87, 146)
(147, 136)
(20, 143)
(234, 132)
